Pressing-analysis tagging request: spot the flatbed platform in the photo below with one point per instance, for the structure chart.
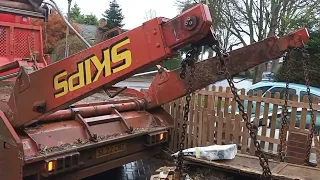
(249, 165)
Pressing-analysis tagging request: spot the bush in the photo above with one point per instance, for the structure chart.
(294, 66)
(75, 46)
(294, 71)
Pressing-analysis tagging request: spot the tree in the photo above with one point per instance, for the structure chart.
(150, 14)
(54, 31)
(293, 71)
(114, 15)
(259, 19)
(78, 17)
(90, 19)
(75, 14)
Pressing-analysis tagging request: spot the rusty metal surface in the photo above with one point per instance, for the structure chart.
(11, 152)
(49, 138)
(90, 111)
(206, 71)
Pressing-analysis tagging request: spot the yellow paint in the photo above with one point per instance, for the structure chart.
(65, 82)
(105, 65)
(123, 56)
(77, 76)
(60, 85)
(87, 64)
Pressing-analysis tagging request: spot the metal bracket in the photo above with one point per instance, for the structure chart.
(129, 127)
(116, 93)
(80, 119)
(23, 80)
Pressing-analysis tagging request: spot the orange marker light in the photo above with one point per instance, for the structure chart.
(50, 166)
(161, 136)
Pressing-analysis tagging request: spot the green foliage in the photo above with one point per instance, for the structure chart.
(294, 72)
(75, 12)
(76, 16)
(90, 19)
(114, 15)
(314, 42)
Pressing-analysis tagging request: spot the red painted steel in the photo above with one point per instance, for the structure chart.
(14, 19)
(99, 110)
(17, 39)
(40, 96)
(161, 89)
(67, 81)
(15, 43)
(11, 157)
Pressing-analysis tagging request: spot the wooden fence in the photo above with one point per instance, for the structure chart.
(213, 119)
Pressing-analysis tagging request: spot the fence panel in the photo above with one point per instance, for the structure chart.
(214, 119)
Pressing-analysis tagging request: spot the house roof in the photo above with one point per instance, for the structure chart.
(87, 31)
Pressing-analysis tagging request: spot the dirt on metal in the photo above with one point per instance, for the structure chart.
(204, 173)
(79, 142)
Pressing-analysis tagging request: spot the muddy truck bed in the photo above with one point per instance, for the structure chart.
(93, 135)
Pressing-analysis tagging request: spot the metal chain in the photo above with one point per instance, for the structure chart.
(188, 61)
(305, 56)
(281, 154)
(253, 129)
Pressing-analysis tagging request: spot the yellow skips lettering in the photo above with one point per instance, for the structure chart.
(65, 82)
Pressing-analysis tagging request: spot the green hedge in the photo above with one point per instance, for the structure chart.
(294, 68)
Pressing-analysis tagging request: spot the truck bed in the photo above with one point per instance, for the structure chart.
(114, 145)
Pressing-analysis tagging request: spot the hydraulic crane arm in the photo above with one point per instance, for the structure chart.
(67, 81)
(168, 86)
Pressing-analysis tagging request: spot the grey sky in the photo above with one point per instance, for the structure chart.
(134, 11)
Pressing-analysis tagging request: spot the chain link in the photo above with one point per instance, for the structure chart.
(188, 61)
(305, 56)
(281, 154)
(253, 129)
(284, 119)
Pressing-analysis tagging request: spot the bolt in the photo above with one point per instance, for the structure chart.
(154, 32)
(40, 107)
(157, 44)
(188, 22)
